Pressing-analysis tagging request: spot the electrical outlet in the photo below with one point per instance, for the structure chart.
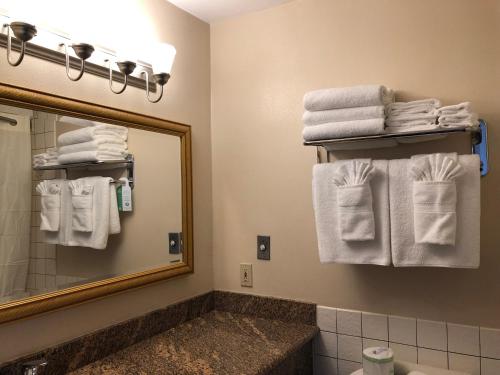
(246, 274)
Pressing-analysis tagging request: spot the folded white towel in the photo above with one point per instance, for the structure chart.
(409, 129)
(331, 247)
(434, 198)
(343, 129)
(407, 253)
(404, 117)
(82, 201)
(114, 216)
(452, 109)
(428, 104)
(86, 156)
(342, 114)
(348, 97)
(93, 146)
(50, 192)
(88, 134)
(467, 119)
(354, 201)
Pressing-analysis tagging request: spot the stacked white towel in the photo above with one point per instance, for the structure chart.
(457, 115)
(46, 158)
(418, 115)
(345, 112)
(93, 143)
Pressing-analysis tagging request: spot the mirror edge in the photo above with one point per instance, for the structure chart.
(37, 100)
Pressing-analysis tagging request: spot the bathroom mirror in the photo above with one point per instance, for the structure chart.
(69, 231)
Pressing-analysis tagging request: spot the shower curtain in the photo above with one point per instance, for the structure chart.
(15, 206)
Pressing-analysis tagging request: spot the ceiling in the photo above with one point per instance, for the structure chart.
(214, 10)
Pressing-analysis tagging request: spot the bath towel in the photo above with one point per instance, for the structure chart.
(348, 97)
(344, 129)
(407, 253)
(354, 201)
(331, 247)
(101, 143)
(86, 156)
(434, 198)
(342, 114)
(90, 133)
(50, 196)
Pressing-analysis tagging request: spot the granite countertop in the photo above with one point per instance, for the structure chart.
(215, 343)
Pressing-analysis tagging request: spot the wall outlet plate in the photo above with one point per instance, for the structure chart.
(264, 247)
(246, 277)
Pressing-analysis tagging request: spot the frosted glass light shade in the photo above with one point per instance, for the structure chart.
(162, 58)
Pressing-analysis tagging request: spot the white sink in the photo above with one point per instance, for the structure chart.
(407, 368)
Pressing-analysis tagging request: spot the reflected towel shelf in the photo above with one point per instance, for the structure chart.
(128, 163)
(479, 140)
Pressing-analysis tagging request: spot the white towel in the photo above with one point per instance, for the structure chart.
(85, 156)
(354, 201)
(343, 129)
(434, 198)
(405, 252)
(101, 143)
(452, 109)
(403, 117)
(419, 127)
(114, 216)
(342, 114)
(459, 119)
(415, 105)
(91, 133)
(50, 195)
(331, 247)
(348, 97)
(82, 204)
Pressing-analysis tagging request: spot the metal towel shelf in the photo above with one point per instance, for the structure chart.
(128, 163)
(479, 140)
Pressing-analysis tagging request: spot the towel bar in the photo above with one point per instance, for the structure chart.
(128, 163)
(479, 141)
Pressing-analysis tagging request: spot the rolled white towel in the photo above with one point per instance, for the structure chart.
(348, 97)
(342, 114)
(90, 156)
(343, 129)
(89, 134)
(93, 146)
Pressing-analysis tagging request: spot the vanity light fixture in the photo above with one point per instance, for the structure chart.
(83, 51)
(162, 60)
(24, 32)
(127, 68)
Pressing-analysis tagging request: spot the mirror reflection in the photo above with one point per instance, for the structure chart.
(77, 199)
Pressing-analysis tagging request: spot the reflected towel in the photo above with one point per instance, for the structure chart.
(101, 143)
(91, 133)
(89, 156)
(348, 97)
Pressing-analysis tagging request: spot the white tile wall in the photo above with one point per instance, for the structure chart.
(345, 333)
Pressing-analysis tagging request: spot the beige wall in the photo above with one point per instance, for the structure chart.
(187, 100)
(263, 63)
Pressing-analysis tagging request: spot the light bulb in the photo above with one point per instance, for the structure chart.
(162, 58)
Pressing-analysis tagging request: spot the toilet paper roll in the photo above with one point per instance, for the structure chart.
(378, 361)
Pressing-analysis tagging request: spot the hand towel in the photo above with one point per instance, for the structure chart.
(354, 201)
(421, 127)
(348, 97)
(434, 198)
(431, 115)
(407, 253)
(50, 195)
(342, 114)
(344, 129)
(82, 203)
(101, 143)
(459, 119)
(88, 134)
(58, 237)
(101, 203)
(86, 156)
(331, 247)
(452, 109)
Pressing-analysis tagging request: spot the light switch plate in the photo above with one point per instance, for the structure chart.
(264, 247)
(246, 277)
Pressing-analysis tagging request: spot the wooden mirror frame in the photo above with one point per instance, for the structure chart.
(36, 100)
